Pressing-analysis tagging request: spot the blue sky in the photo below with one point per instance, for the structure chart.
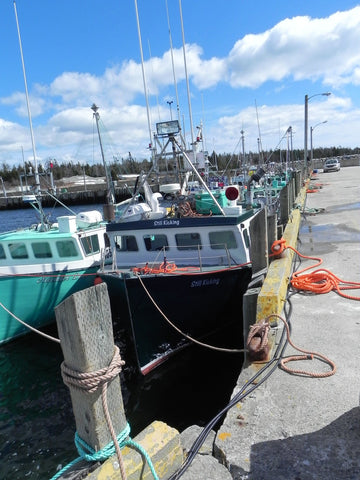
(250, 65)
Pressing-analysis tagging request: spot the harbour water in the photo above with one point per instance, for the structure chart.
(36, 423)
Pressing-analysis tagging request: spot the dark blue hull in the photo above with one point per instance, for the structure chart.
(160, 307)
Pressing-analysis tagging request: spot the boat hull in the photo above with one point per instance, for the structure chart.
(32, 298)
(197, 304)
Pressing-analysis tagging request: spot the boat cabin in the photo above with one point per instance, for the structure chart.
(214, 240)
(67, 241)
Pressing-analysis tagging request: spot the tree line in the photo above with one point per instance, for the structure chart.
(224, 161)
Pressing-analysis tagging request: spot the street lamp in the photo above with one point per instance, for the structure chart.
(307, 98)
(311, 141)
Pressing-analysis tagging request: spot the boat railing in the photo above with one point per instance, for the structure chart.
(200, 257)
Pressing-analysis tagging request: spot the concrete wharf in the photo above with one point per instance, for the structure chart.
(295, 426)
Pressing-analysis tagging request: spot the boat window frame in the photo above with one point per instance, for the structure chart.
(126, 243)
(75, 252)
(154, 245)
(89, 245)
(223, 243)
(246, 237)
(188, 245)
(21, 246)
(2, 252)
(47, 254)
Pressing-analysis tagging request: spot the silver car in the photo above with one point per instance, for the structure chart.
(331, 165)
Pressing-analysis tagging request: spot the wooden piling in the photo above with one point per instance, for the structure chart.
(86, 336)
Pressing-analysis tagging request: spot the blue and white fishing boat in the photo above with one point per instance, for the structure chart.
(177, 272)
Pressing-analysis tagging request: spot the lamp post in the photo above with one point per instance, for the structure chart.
(307, 98)
(311, 141)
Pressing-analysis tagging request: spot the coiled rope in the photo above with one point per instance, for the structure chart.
(90, 382)
(308, 355)
(318, 281)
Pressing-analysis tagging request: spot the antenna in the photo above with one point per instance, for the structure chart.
(260, 142)
(37, 179)
(173, 64)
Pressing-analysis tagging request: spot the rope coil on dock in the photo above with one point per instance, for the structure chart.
(308, 355)
(318, 281)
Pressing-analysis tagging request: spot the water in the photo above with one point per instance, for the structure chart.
(36, 422)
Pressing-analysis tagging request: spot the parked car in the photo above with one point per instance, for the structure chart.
(331, 165)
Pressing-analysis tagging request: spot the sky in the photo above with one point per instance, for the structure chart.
(247, 68)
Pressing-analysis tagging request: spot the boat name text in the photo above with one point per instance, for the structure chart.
(205, 282)
(58, 278)
(165, 223)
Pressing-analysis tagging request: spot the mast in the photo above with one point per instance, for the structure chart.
(110, 194)
(37, 179)
(187, 77)
(173, 64)
(145, 88)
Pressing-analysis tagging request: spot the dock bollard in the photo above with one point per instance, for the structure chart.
(86, 335)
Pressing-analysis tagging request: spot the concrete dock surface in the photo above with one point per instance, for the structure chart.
(294, 426)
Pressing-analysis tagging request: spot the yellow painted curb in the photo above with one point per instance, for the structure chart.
(272, 295)
(162, 444)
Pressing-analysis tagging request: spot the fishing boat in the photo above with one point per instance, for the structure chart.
(180, 267)
(42, 265)
(186, 288)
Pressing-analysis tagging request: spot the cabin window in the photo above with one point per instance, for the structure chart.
(90, 244)
(220, 240)
(66, 248)
(106, 240)
(188, 241)
(155, 242)
(126, 243)
(41, 250)
(18, 250)
(246, 238)
(2, 252)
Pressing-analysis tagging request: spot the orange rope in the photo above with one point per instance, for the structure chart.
(173, 268)
(318, 281)
(308, 355)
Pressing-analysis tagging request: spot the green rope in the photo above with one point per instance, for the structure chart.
(88, 453)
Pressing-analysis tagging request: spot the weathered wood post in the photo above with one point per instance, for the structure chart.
(86, 336)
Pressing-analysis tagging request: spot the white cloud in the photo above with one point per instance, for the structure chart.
(300, 47)
(323, 50)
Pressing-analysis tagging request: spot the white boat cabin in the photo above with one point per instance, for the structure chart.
(208, 241)
(70, 241)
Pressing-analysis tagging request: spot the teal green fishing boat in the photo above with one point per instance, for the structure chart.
(40, 266)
